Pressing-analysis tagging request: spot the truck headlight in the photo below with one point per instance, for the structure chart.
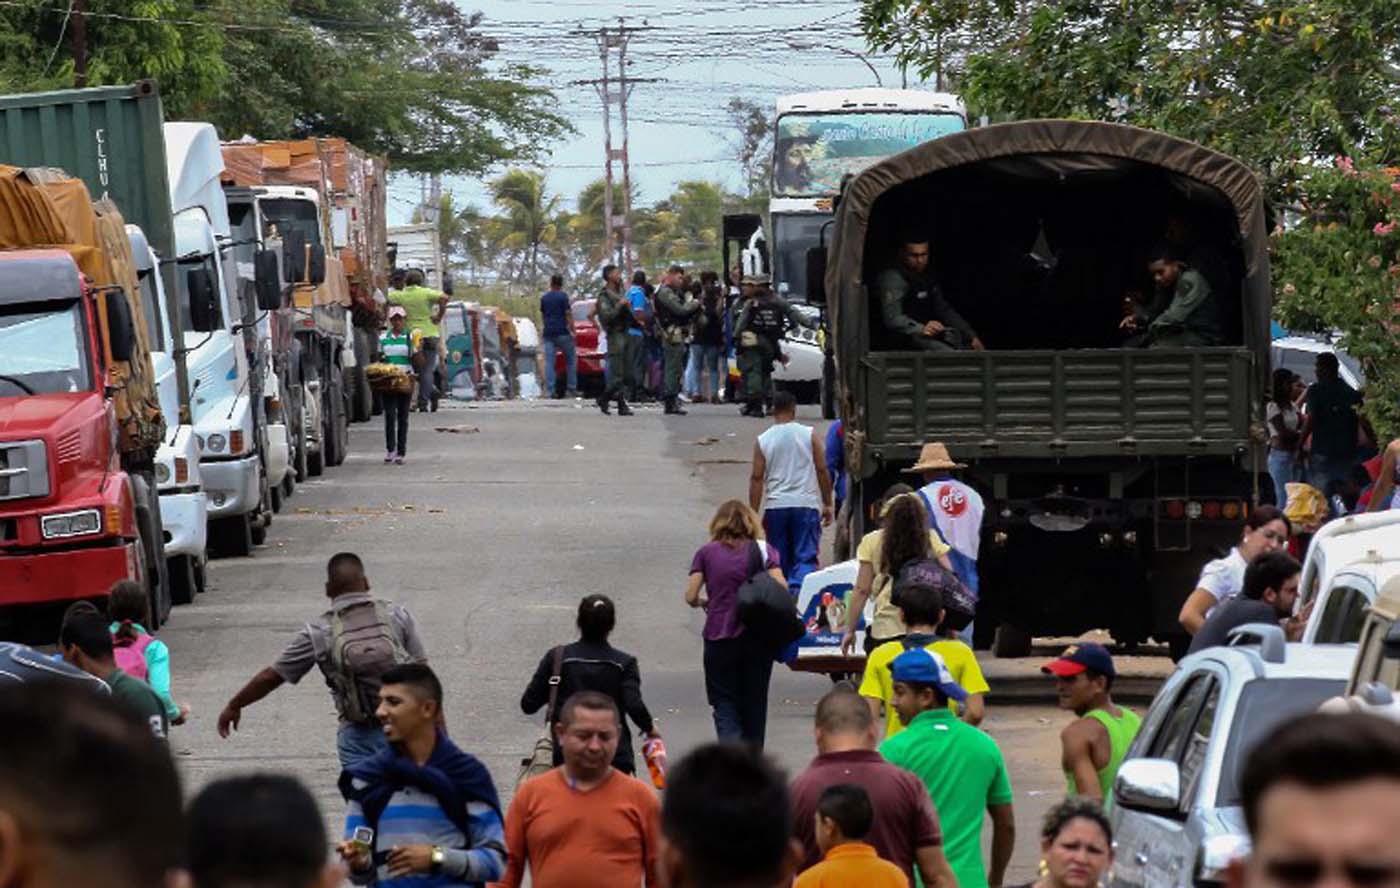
(216, 443)
(162, 473)
(70, 524)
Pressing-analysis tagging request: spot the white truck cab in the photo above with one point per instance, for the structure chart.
(183, 506)
(221, 406)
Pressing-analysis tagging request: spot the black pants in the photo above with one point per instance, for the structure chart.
(396, 423)
(737, 671)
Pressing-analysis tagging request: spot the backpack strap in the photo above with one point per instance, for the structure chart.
(555, 678)
(932, 522)
(758, 557)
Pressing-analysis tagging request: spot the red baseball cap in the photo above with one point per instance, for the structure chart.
(1079, 658)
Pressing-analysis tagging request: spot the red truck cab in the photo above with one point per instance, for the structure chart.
(67, 517)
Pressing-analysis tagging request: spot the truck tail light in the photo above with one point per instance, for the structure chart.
(1175, 509)
(182, 470)
(1231, 510)
(235, 441)
(1210, 509)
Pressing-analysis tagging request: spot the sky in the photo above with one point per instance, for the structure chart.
(705, 52)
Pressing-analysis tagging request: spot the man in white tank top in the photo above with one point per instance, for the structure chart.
(790, 481)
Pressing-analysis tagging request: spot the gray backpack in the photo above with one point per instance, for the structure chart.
(364, 644)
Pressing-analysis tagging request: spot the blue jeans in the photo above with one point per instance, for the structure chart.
(552, 344)
(1283, 467)
(427, 376)
(355, 743)
(703, 359)
(1323, 471)
(737, 672)
(797, 535)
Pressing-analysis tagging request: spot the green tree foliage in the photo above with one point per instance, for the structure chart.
(1286, 86)
(126, 40)
(752, 145)
(415, 80)
(529, 220)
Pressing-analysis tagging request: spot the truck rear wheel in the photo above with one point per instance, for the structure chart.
(231, 537)
(1011, 641)
(151, 537)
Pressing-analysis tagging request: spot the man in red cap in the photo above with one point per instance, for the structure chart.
(1093, 745)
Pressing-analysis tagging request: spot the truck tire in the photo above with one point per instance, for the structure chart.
(340, 425)
(1011, 641)
(152, 536)
(231, 537)
(299, 444)
(183, 586)
(315, 465)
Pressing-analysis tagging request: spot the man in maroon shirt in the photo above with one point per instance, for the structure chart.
(905, 831)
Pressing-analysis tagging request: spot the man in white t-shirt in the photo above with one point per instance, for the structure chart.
(790, 480)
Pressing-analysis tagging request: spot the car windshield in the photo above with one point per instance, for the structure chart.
(42, 349)
(1264, 704)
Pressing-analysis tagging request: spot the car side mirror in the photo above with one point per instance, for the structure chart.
(293, 256)
(316, 265)
(1391, 645)
(1148, 784)
(816, 275)
(204, 305)
(267, 280)
(121, 327)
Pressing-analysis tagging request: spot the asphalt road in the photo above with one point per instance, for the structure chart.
(504, 516)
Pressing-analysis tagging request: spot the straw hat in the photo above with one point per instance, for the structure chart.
(933, 457)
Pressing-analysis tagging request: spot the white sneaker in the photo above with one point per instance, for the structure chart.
(389, 456)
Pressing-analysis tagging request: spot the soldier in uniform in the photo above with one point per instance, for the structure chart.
(914, 307)
(615, 317)
(762, 322)
(675, 308)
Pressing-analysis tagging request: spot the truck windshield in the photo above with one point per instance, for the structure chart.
(242, 222)
(287, 214)
(44, 349)
(793, 236)
(1265, 704)
(150, 307)
(814, 152)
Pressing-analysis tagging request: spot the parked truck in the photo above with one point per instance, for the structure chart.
(110, 137)
(1109, 474)
(334, 195)
(80, 421)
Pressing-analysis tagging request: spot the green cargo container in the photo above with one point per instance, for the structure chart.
(110, 137)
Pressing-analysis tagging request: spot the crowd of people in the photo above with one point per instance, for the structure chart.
(669, 340)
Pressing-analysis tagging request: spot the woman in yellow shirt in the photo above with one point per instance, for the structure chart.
(904, 535)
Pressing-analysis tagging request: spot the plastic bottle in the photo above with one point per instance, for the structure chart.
(654, 751)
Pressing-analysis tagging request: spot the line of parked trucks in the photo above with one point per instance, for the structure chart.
(184, 324)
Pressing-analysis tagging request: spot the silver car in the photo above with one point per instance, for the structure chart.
(1176, 809)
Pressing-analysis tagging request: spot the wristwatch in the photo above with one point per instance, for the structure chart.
(437, 857)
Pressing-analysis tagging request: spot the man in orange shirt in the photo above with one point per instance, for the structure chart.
(844, 816)
(585, 824)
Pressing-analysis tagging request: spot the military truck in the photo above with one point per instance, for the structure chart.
(1110, 474)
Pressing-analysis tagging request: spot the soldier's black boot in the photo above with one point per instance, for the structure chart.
(622, 408)
(673, 406)
(602, 403)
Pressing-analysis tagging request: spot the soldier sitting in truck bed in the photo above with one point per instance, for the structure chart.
(914, 307)
(1185, 312)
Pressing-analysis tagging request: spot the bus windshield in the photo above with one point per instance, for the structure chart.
(813, 152)
(793, 236)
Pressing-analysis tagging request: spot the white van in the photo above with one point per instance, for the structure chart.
(1349, 561)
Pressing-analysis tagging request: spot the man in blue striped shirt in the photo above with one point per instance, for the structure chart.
(433, 808)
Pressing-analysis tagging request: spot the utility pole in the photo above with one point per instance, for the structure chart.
(616, 226)
(79, 29)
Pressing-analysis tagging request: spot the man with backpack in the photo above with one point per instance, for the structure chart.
(354, 644)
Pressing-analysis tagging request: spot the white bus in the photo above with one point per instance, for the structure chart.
(823, 136)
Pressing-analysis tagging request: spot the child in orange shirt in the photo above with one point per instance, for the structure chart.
(844, 816)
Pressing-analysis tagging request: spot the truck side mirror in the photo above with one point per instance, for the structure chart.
(293, 256)
(267, 280)
(316, 265)
(204, 306)
(121, 327)
(816, 275)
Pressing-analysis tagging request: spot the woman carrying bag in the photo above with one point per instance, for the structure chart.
(592, 664)
(738, 662)
(394, 350)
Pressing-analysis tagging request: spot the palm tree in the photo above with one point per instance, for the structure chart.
(529, 216)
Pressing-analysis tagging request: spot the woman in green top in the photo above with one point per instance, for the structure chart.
(395, 348)
(1092, 746)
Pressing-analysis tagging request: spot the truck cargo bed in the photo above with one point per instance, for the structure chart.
(1058, 403)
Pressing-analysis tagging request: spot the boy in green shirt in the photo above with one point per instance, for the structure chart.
(961, 766)
(87, 644)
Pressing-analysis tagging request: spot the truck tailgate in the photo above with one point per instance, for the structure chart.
(1059, 403)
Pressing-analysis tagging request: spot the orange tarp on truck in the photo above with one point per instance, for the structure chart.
(48, 208)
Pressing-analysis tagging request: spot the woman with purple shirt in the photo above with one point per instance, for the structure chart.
(737, 666)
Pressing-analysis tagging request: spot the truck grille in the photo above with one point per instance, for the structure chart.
(24, 470)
